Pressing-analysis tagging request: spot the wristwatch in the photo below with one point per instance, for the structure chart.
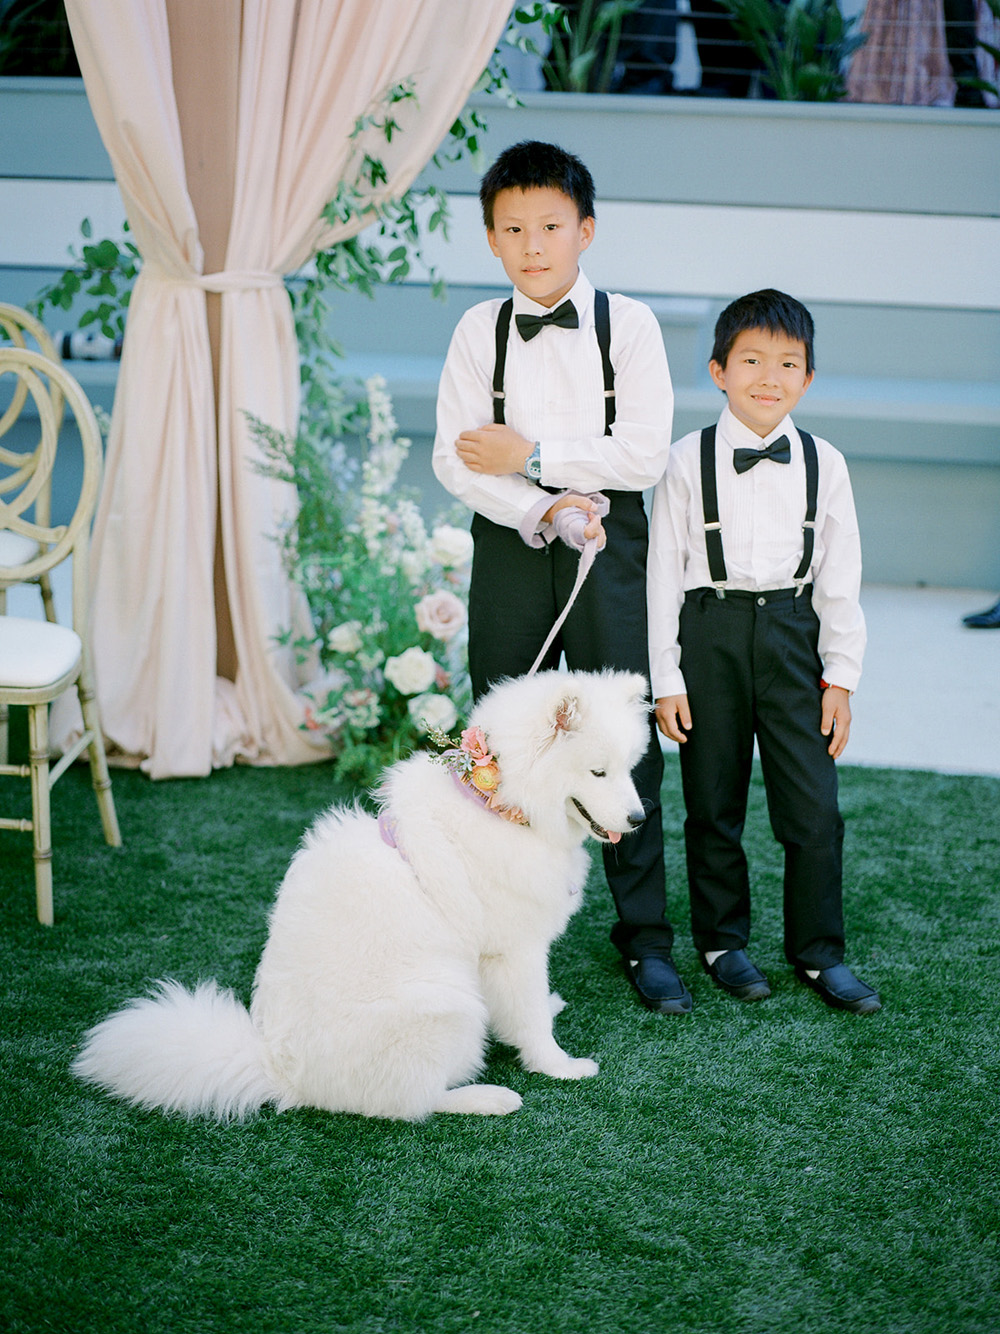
(532, 468)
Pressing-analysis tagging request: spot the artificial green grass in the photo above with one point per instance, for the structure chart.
(770, 1167)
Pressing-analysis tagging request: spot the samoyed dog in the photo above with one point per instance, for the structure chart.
(396, 945)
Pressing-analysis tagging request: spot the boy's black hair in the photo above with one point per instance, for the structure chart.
(532, 165)
(777, 312)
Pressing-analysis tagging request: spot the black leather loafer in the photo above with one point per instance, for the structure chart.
(735, 973)
(840, 988)
(658, 984)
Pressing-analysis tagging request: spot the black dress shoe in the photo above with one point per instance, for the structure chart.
(984, 620)
(658, 984)
(840, 988)
(734, 972)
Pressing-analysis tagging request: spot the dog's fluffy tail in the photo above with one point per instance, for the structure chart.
(195, 1052)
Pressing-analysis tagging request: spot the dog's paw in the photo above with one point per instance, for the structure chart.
(581, 1067)
(480, 1100)
(565, 1067)
(556, 1004)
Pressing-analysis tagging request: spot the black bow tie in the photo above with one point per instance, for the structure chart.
(780, 451)
(564, 316)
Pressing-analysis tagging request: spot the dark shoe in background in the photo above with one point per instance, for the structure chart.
(984, 620)
(841, 989)
(735, 973)
(658, 984)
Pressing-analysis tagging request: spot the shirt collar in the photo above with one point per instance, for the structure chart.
(738, 435)
(581, 294)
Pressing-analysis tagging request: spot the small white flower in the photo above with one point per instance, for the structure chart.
(361, 708)
(450, 546)
(441, 614)
(413, 564)
(411, 523)
(433, 713)
(371, 659)
(345, 638)
(412, 671)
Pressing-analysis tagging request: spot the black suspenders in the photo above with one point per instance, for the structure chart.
(503, 329)
(602, 327)
(812, 492)
(710, 505)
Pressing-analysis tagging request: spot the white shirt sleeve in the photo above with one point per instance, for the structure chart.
(465, 403)
(837, 576)
(665, 575)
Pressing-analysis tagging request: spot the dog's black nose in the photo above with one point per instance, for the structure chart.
(636, 819)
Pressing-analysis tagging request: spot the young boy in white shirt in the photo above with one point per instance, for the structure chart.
(756, 630)
(531, 419)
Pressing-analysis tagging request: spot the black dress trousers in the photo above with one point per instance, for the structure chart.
(515, 597)
(751, 667)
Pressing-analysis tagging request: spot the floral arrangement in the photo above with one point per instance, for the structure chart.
(387, 598)
(472, 762)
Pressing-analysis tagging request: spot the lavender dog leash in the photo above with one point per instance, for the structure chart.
(570, 529)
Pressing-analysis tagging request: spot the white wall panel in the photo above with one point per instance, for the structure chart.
(816, 254)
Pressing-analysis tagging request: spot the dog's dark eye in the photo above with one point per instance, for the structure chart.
(599, 773)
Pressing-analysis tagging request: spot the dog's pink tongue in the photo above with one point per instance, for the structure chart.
(614, 836)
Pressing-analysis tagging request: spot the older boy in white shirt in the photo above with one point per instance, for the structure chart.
(756, 630)
(532, 418)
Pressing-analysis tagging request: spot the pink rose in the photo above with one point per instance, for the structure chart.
(474, 745)
(441, 614)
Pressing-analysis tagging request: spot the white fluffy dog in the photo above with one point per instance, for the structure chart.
(391, 954)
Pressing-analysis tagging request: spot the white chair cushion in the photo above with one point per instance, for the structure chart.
(35, 653)
(16, 549)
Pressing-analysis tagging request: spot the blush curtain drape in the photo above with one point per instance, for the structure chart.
(179, 457)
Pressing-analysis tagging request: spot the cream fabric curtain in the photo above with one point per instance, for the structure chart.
(307, 69)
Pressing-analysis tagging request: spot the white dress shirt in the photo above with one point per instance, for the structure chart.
(554, 387)
(761, 512)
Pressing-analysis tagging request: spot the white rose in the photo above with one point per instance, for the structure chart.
(345, 638)
(441, 614)
(433, 712)
(411, 672)
(451, 546)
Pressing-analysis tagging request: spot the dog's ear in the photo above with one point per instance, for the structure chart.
(637, 688)
(566, 715)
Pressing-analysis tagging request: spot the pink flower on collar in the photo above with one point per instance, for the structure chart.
(474, 745)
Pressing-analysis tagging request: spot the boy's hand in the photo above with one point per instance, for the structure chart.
(493, 449)
(594, 526)
(836, 720)
(673, 716)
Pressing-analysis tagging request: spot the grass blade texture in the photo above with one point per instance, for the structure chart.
(769, 1167)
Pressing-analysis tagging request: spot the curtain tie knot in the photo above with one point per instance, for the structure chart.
(229, 280)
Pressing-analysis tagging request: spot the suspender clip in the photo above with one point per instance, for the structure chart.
(720, 592)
